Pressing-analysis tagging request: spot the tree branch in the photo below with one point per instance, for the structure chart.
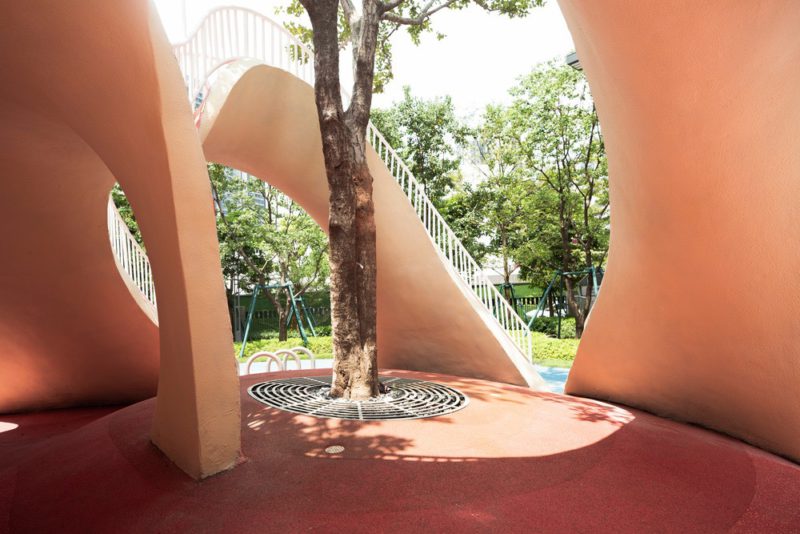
(420, 19)
(364, 45)
(388, 6)
(313, 277)
(324, 16)
(350, 12)
(546, 176)
(274, 300)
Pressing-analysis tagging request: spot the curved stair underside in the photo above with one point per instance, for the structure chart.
(263, 121)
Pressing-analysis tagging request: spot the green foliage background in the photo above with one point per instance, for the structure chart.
(547, 351)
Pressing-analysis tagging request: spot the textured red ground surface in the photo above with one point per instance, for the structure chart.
(512, 461)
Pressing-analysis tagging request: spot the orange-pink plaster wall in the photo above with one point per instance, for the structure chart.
(697, 319)
(91, 94)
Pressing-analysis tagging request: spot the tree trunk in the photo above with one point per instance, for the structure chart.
(351, 220)
(281, 310)
(565, 223)
(283, 332)
(589, 299)
(574, 309)
(362, 371)
(283, 314)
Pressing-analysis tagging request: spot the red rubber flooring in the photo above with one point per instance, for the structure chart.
(512, 461)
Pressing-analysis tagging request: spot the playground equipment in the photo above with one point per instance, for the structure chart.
(685, 212)
(272, 358)
(281, 359)
(294, 313)
(560, 304)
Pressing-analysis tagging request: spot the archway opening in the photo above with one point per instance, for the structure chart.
(275, 264)
(129, 251)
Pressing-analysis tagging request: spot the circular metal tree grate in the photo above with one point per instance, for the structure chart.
(405, 399)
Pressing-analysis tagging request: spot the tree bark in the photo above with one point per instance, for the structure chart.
(283, 331)
(283, 315)
(574, 308)
(351, 221)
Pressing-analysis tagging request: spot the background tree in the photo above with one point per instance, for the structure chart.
(265, 238)
(427, 135)
(503, 196)
(431, 139)
(366, 29)
(554, 121)
(463, 212)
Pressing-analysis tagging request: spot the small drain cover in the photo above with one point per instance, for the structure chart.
(406, 399)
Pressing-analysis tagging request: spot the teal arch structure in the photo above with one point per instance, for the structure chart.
(296, 303)
(558, 276)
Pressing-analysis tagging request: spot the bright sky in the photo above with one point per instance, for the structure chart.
(479, 60)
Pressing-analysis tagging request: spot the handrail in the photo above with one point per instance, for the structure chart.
(130, 255)
(228, 33)
(450, 247)
(233, 33)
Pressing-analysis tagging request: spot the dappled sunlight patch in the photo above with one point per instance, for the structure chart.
(501, 421)
(255, 425)
(7, 427)
(591, 411)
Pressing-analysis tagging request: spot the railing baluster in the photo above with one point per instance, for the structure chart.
(228, 33)
(205, 50)
(131, 256)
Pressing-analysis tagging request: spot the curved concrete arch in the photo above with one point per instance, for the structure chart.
(263, 120)
(697, 318)
(70, 333)
(112, 106)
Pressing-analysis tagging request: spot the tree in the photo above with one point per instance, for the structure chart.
(265, 238)
(556, 127)
(430, 139)
(463, 211)
(426, 134)
(334, 24)
(503, 195)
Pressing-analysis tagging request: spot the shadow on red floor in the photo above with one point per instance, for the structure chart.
(512, 461)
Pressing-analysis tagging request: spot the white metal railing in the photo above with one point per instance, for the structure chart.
(130, 255)
(450, 247)
(230, 33)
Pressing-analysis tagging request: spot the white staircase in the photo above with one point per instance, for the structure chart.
(231, 33)
(131, 258)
